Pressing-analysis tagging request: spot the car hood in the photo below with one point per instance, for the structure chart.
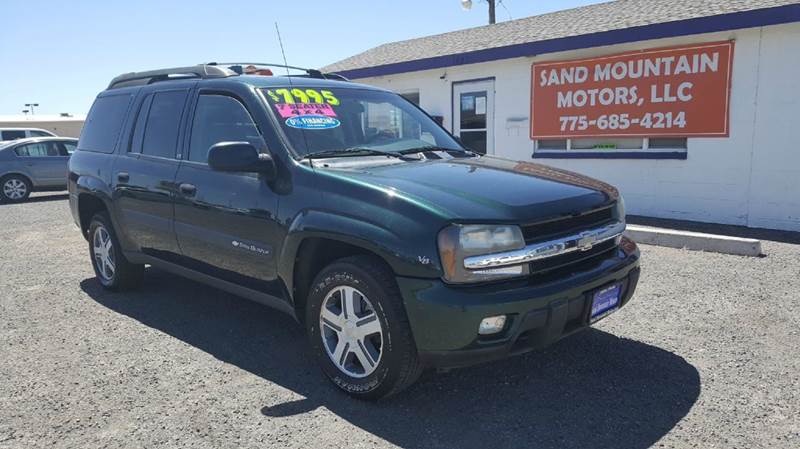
(483, 188)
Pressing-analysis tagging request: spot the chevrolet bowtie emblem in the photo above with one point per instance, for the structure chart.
(586, 240)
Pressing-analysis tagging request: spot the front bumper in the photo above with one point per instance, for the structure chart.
(541, 310)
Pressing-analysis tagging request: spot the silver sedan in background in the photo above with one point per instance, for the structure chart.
(28, 165)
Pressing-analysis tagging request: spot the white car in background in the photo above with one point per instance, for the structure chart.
(23, 133)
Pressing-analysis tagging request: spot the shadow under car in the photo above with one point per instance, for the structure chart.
(590, 390)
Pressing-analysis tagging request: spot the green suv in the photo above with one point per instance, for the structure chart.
(350, 209)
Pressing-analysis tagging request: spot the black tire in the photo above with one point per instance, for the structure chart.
(21, 181)
(125, 275)
(398, 366)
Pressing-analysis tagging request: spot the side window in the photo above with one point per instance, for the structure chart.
(103, 125)
(67, 148)
(13, 135)
(41, 149)
(53, 149)
(22, 151)
(219, 118)
(35, 133)
(138, 130)
(163, 121)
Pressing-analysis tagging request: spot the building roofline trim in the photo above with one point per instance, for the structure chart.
(700, 25)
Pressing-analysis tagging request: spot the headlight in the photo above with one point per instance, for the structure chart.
(457, 242)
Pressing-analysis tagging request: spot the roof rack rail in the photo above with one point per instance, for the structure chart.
(311, 73)
(206, 71)
(335, 76)
(203, 71)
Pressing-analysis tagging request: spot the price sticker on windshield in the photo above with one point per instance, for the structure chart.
(303, 96)
(294, 109)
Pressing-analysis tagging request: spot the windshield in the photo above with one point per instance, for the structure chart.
(317, 120)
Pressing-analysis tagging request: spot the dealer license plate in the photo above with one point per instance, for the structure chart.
(605, 301)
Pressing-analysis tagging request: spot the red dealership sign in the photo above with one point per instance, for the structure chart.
(678, 91)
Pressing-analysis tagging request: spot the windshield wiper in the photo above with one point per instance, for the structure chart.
(353, 151)
(436, 148)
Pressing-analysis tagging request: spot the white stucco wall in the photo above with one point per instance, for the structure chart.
(751, 178)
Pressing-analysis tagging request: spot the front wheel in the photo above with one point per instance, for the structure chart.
(359, 330)
(112, 269)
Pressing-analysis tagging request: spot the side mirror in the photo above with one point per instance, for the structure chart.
(240, 157)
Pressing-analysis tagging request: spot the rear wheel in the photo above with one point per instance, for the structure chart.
(15, 188)
(112, 269)
(359, 330)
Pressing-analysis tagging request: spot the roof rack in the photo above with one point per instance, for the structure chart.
(311, 73)
(203, 71)
(206, 71)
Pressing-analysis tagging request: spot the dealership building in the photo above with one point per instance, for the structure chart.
(690, 107)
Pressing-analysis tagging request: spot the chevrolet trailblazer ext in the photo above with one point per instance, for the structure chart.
(350, 209)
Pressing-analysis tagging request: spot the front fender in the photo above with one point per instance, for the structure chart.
(405, 256)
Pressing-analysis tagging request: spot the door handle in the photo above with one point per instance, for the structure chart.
(187, 189)
(123, 176)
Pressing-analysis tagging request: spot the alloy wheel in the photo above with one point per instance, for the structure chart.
(351, 331)
(15, 189)
(103, 249)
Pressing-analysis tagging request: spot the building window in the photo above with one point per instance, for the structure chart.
(612, 148)
(623, 143)
(412, 96)
(557, 144)
(667, 143)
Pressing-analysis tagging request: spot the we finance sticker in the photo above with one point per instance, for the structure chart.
(312, 122)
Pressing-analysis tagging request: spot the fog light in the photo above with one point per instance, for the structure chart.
(492, 325)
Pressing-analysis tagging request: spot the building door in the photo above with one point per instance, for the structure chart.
(473, 115)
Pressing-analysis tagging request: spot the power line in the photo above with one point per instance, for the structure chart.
(503, 4)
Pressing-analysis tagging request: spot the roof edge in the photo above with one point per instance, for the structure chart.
(698, 25)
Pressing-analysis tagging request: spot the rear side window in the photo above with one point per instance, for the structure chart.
(138, 130)
(161, 129)
(41, 134)
(13, 135)
(103, 125)
(41, 149)
(220, 119)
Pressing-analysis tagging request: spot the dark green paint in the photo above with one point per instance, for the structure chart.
(393, 209)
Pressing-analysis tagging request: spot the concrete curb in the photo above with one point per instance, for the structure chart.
(697, 241)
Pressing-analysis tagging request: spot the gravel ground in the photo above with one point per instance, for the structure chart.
(706, 355)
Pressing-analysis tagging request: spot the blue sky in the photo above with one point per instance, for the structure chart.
(60, 54)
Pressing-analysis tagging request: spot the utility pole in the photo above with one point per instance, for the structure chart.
(467, 5)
